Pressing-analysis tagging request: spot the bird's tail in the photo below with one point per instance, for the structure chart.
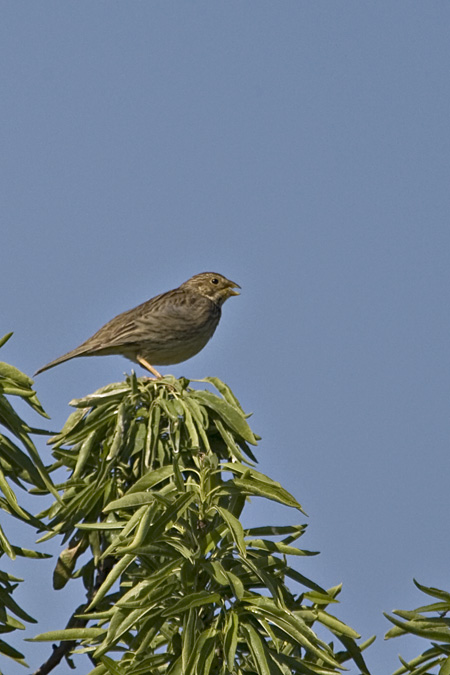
(65, 357)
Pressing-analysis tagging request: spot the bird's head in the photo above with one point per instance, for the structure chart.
(213, 286)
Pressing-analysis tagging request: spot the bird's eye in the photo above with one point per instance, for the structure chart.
(215, 280)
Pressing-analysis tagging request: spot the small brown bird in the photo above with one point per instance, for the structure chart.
(168, 329)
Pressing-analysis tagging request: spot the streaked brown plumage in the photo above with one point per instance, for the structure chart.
(168, 329)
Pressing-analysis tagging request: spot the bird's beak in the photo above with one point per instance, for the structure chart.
(231, 287)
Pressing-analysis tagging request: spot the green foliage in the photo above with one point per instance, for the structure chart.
(159, 473)
(435, 628)
(23, 467)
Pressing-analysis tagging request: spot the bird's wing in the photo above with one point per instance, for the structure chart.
(150, 319)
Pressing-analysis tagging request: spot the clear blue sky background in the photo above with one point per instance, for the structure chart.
(301, 149)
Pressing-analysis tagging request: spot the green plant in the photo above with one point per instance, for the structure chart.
(435, 628)
(150, 515)
(21, 465)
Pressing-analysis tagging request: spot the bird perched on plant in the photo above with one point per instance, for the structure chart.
(168, 329)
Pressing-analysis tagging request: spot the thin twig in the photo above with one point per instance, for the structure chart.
(65, 648)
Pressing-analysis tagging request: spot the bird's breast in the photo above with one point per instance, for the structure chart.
(183, 331)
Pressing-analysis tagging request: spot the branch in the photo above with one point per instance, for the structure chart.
(63, 650)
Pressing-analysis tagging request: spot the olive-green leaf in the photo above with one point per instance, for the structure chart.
(116, 572)
(255, 644)
(434, 592)
(336, 625)
(151, 478)
(269, 491)
(292, 626)
(424, 629)
(69, 634)
(230, 639)
(223, 389)
(5, 339)
(229, 414)
(131, 500)
(198, 599)
(235, 528)
(15, 375)
(277, 547)
(445, 667)
(8, 650)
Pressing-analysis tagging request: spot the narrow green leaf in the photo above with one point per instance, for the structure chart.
(14, 390)
(225, 390)
(235, 528)
(198, 599)
(26, 553)
(151, 478)
(12, 421)
(276, 530)
(112, 667)
(230, 441)
(262, 485)
(120, 624)
(19, 464)
(188, 638)
(206, 648)
(255, 644)
(11, 498)
(12, 623)
(354, 651)
(66, 563)
(119, 432)
(142, 530)
(14, 374)
(263, 489)
(277, 547)
(178, 478)
(217, 571)
(5, 339)
(445, 667)
(301, 579)
(8, 650)
(434, 592)
(84, 453)
(169, 408)
(5, 546)
(230, 639)
(319, 598)
(129, 527)
(180, 548)
(143, 588)
(200, 418)
(116, 572)
(230, 415)
(69, 634)
(236, 585)
(336, 625)
(130, 501)
(292, 626)
(73, 421)
(269, 580)
(192, 431)
(424, 629)
(151, 531)
(108, 394)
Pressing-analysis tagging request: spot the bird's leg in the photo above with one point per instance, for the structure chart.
(145, 364)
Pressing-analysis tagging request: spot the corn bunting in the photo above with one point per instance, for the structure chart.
(167, 329)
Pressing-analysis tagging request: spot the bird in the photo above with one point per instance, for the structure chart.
(167, 329)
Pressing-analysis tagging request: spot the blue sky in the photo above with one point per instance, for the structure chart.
(302, 150)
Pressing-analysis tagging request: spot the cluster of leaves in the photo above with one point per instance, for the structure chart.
(159, 475)
(24, 468)
(151, 517)
(435, 628)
